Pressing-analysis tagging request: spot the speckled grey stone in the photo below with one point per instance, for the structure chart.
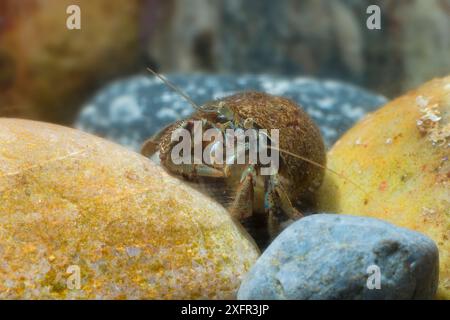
(131, 110)
(327, 256)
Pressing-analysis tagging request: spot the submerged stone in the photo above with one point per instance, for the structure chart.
(329, 256)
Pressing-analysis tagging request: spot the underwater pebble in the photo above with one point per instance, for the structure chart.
(329, 256)
(70, 201)
(130, 111)
(399, 171)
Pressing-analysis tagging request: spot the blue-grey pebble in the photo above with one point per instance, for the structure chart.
(329, 256)
(131, 110)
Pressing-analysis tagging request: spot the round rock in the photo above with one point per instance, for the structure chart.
(328, 256)
(84, 218)
(131, 110)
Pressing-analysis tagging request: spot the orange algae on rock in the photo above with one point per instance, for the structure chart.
(404, 168)
(69, 199)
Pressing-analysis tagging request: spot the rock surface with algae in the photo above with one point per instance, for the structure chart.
(81, 217)
(399, 158)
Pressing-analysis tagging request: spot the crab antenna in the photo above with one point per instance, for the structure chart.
(340, 175)
(175, 88)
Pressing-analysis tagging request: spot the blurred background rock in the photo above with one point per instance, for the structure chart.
(314, 37)
(46, 70)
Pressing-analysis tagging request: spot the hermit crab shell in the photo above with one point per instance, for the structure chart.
(298, 134)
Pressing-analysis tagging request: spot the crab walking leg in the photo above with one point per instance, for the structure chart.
(151, 145)
(276, 198)
(283, 200)
(195, 170)
(185, 169)
(202, 170)
(242, 206)
(270, 206)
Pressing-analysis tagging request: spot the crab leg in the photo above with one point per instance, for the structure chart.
(270, 206)
(194, 170)
(151, 146)
(191, 170)
(284, 201)
(275, 198)
(242, 206)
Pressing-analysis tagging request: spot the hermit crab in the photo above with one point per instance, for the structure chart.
(277, 197)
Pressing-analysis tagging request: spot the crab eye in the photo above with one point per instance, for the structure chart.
(222, 118)
(226, 112)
